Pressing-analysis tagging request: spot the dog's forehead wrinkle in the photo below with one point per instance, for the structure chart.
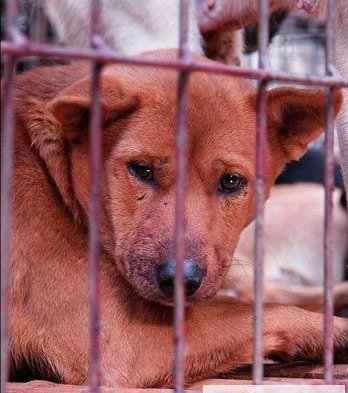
(230, 161)
(138, 153)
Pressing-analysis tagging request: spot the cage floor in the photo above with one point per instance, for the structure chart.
(294, 373)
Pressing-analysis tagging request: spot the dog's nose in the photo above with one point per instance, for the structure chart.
(193, 276)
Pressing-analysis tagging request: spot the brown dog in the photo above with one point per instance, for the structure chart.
(48, 299)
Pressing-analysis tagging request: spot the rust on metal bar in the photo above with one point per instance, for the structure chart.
(260, 173)
(107, 56)
(95, 206)
(329, 186)
(7, 145)
(181, 162)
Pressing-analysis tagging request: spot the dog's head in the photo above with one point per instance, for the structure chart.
(139, 118)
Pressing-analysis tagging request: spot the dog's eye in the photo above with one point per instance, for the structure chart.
(141, 171)
(231, 183)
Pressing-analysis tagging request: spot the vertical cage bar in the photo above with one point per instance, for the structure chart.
(329, 186)
(95, 205)
(38, 30)
(260, 170)
(7, 146)
(179, 313)
(38, 25)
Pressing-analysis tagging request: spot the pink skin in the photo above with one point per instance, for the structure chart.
(214, 14)
(309, 6)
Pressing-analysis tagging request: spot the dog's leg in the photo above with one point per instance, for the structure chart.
(219, 336)
(309, 298)
(137, 340)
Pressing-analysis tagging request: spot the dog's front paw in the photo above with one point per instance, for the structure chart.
(307, 343)
(341, 340)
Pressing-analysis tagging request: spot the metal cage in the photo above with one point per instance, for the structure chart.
(18, 46)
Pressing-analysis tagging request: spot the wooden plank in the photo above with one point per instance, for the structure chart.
(294, 373)
(289, 370)
(49, 387)
(340, 371)
(267, 381)
(46, 387)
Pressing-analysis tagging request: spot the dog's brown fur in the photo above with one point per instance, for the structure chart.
(48, 300)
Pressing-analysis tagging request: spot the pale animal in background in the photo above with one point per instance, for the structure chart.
(127, 27)
(134, 27)
(294, 252)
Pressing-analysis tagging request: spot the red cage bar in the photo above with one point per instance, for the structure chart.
(17, 46)
(95, 205)
(22, 47)
(179, 312)
(261, 133)
(7, 141)
(329, 188)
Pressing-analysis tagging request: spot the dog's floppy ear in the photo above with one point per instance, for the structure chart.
(64, 118)
(297, 116)
(72, 106)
